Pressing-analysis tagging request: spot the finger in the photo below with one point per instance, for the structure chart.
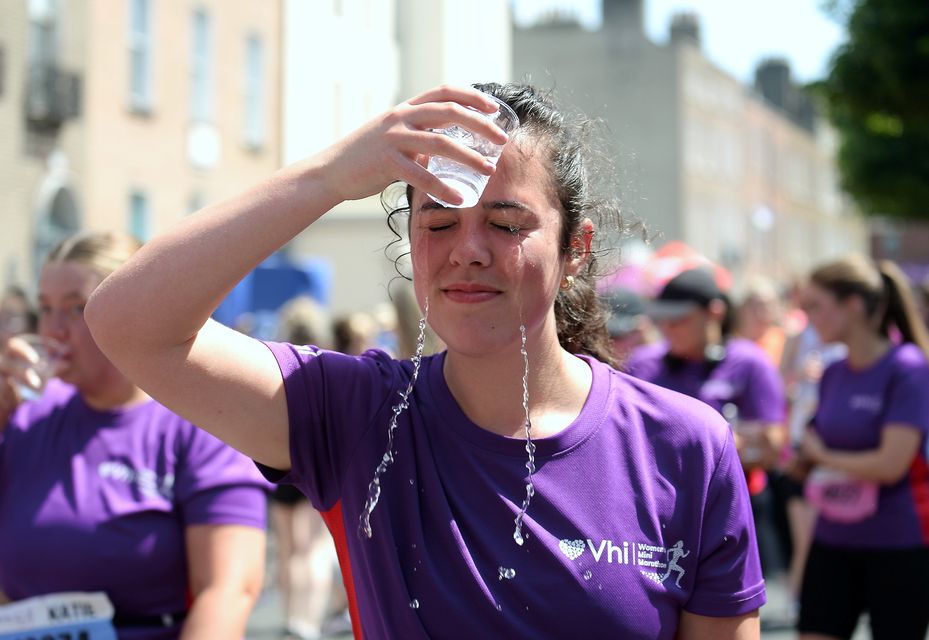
(467, 96)
(430, 143)
(441, 115)
(420, 179)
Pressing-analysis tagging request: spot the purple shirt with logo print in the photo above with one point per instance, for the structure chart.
(99, 500)
(640, 508)
(854, 407)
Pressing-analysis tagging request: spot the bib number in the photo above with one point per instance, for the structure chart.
(59, 616)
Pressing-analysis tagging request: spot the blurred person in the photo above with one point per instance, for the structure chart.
(103, 489)
(758, 318)
(867, 440)
(354, 333)
(408, 317)
(306, 558)
(437, 536)
(802, 364)
(16, 314)
(699, 357)
(628, 324)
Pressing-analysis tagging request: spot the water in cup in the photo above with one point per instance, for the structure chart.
(463, 179)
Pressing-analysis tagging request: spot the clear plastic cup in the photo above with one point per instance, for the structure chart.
(469, 182)
(38, 360)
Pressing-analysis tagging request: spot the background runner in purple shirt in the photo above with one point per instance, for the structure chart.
(624, 516)
(869, 439)
(104, 489)
(732, 375)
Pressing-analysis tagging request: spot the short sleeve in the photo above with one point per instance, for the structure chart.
(332, 401)
(764, 394)
(908, 396)
(215, 484)
(729, 580)
(241, 505)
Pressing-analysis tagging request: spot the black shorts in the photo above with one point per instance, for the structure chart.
(287, 494)
(892, 585)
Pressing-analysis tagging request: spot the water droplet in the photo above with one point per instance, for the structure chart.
(374, 488)
(411, 482)
(414, 604)
(662, 526)
(499, 608)
(600, 586)
(588, 575)
(508, 574)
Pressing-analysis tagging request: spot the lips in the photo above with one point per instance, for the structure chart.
(469, 292)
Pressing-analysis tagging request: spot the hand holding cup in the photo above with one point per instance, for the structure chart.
(29, 361)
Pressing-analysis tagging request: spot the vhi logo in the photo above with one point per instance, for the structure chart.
(573, 549)
(655, 562)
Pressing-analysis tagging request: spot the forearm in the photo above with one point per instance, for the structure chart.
(218, 613)
(871, 465)
(169, 288)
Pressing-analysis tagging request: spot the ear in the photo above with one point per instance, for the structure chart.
(717, 310)
(579, 249)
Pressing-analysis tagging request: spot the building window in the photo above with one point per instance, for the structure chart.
(139, 41)
(139, 215)
(254, 92)
(201, 98)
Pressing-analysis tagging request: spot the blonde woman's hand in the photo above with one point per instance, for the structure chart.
(395, 145)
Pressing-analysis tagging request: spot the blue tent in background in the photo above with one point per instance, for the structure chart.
(275, 281)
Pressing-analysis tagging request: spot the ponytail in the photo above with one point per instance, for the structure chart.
(900, 307)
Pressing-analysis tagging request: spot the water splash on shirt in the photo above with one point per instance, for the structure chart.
(518, 535)
(374, 489)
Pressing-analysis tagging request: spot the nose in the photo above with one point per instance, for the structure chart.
(470, 245)
(52, 324)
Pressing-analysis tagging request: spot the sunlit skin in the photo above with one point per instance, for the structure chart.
(63, 291)
(486, 268)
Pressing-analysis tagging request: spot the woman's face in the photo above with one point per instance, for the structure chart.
(687, 335)
(63, 291)
(488, 268)
(828, 315)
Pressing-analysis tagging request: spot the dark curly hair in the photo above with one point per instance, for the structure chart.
(579, 313)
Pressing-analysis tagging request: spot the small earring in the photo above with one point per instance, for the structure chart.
(567, 283)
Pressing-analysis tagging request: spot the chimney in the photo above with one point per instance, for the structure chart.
(772, 81)
(623, 21)
(685, 29)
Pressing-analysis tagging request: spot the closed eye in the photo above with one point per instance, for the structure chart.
(509, 228)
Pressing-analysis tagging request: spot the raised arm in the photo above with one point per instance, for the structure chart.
(151, 316)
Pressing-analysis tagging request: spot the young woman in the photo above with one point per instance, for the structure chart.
(871, 544)
(637, 522)
(104, 489)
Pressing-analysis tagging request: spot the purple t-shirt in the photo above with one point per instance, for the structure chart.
(640, 507)
(98, 501)
(745, 377)
(854, 406)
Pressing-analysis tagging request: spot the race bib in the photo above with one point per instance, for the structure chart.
(59, 616)
(840, 497)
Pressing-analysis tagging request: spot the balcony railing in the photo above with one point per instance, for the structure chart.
(52, 96)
